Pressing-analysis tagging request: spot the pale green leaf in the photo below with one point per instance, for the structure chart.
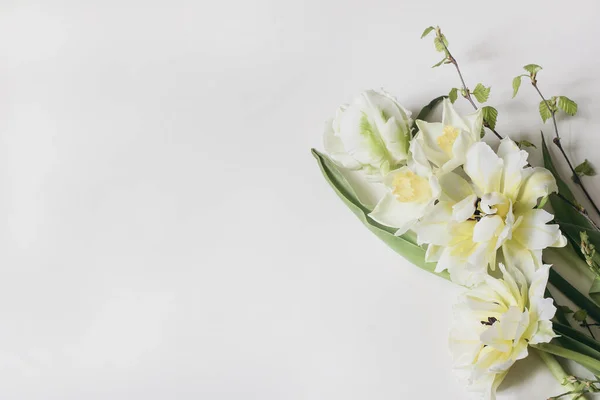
(440, 43)
(516, 84)
(427, 31)
(490, 115)
(453, 95)
(526, 143)
(580, 315)
(481, 93)
(545, 112)
(567, 105)
(439, 63)
(585, 169)
(532, 68)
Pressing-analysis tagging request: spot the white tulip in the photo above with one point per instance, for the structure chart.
(372, 134)
(496, 211)
(494, 323)
(446, 144)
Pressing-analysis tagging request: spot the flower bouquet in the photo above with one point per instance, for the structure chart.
(481, 216)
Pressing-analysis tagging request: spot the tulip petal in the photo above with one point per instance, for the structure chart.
(534, 233)
(433, 227)
(484, 168)
(464, 209)
(537, 182)
(514, 160)
(393, 213)
(487, 228)
(335, 148)
(454, 187)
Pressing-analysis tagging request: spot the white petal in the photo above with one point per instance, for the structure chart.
(391, 212)
(521, 258)
(335, 149)
(484, 168)
(463, 273)
(428, 135)
(539, 282)
(537, 182)
(433, 253)
(451, 117)
(396, 138)
(459, 152)
(418, 161)
(545, 308)
(489, 200)
(560, 242)
(454, 187)
(544, 333)
(487, 228)
(533, 232)
(475, 123)
(433, 227)
(464, 209)
(514, 161)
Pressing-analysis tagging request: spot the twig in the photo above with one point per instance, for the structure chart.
(558, 144)
(466, 93)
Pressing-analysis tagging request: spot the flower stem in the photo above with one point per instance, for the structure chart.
(557, 142)
(557, 371)
(465, 91)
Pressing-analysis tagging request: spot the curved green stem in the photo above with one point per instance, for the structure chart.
(556, 369)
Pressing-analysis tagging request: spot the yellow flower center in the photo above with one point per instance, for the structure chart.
(502, 208)
(408, 187)
(447, 138)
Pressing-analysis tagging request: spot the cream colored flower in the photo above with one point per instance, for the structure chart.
(495, 211)
(494, 323)
(411, 193)
(446, 144)
(371, 134)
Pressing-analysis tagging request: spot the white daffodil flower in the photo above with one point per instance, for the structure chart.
(411, 193)
(371, 134)
(472, 222)
(494, 323)
(446, 144)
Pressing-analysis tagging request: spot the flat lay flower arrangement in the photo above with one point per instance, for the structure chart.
(481, 216)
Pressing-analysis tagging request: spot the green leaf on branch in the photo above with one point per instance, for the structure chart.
(525, 143)
(441, 43)
(453, 95)
(439, 63)
(585, 169)
(545, 112)
(567, 105)
(490, 115)
(532, 68)
(516, 84)
(580, 315)
(427, 31)
(481, 93)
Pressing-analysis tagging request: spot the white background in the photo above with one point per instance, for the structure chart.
(165, 231)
